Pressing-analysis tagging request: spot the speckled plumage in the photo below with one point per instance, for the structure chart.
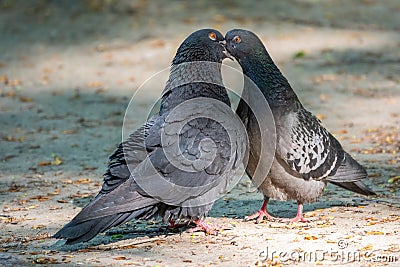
(307, 156)
(122, 198)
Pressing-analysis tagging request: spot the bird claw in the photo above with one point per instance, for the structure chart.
(260, 216)
(208, 228)
(173, 225)
(298, 218)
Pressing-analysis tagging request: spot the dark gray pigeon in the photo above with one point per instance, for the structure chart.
(307, 156)
(181, 160)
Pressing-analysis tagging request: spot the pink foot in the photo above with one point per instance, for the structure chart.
(299, 217)
(173, 225)
(261, 213)
(260, 216)
(209, 229)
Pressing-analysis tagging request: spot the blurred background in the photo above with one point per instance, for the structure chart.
(121, 43)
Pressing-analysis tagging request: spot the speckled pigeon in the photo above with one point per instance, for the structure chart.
(307, 156)
(142, 180)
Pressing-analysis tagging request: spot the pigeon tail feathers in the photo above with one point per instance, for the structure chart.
(82, 231)
(349, 176)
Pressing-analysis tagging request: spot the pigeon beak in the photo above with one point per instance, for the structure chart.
(226, 53)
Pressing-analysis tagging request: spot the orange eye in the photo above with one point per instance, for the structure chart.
(236, 39)
(212, 36)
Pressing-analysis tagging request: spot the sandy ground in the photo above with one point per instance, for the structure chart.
(68, 70)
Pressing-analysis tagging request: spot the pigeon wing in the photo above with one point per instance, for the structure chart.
(130, 152)
(306, 149)
(205, 157)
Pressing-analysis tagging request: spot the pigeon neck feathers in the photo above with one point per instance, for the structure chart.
(266, 75)
(193, 72)
(258, 66)
(191, 80)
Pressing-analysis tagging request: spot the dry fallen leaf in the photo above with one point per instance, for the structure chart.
(80, 195)
(11, 220)
(82, 181)
(45, 260)
(262, 263)
(14, 187)
(85, 250)
(310, 237)
(3, 79)
(373, 175)
(392, 218)
(40, 198)
(44, 163)
(94, 84)
(120, 258)
(10, 138)
(356, 141)
(374, 233)
(6, 209)
(368, 247)
(72, 131)
(56, 192)
(25, 99)
(343, 131)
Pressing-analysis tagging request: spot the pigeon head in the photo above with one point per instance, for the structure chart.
(258, 66)
(244, 46)
(201, 45)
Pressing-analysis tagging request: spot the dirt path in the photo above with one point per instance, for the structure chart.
(68, 71)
